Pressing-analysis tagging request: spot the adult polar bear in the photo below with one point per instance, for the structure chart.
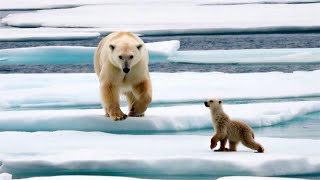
(121, 63)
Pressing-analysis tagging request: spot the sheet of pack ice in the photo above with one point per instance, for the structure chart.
(5, 176)
(51, 4)
(157, 119)
(256, 178)
(38, 34)
(303, 55)
(69, 177)
(62, 152)
(188, 18)
(158, 51)
(59, 90)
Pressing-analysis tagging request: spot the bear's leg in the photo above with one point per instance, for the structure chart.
(142, 93)
(233, 145)
(250, 143)
(223, 143)
(111, 102)
(216, 137)
(130, 100)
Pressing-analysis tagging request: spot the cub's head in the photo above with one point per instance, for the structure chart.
(213, 104)
(125, 55)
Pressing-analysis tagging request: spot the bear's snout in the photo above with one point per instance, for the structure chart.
(126, 70)
(206, 104)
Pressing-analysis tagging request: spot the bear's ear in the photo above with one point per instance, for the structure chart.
(220, 102)
(111, 47)
(139, 46)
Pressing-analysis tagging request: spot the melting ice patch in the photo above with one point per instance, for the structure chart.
(158, 51)
(155, 21)
(175, 118)
(305, 55)
(51, 4)
(82, 178)
(256, 178)
(60, 90)
(37, 34)
(142, 155)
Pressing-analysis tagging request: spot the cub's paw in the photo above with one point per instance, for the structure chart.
(118, 116)
(213, 145)
(133, 114)
(221, 150)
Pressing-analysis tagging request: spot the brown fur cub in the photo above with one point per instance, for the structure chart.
(227, 129)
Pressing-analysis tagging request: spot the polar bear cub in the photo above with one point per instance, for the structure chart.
(227, 129)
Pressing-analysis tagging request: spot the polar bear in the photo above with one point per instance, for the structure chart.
(227, 129)
(121, 63)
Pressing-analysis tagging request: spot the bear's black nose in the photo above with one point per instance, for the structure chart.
(206, 104)
(126, 70)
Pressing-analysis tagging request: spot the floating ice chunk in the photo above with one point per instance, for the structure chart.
(5, 176)
(226, 19)
(158, 51)
(58, 90)
(38, 34)
(175, 118)
(62, 153)
(308, 55)
(53, 4)
(82, 178)
(256, 178)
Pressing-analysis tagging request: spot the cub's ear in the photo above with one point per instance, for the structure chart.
(139, 46)
(220, 102)
(111, 47)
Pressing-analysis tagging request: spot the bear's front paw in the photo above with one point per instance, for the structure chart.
(118, 116)
(213, 145)
(133, 114)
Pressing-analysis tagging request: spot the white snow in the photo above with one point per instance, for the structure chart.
(5, 176)
(256, 178)
(48, 4)
(158, 51)
(303, 55)
(175, 118)
(39, 90)
(184, 18)
(61, 153)
(36, 34)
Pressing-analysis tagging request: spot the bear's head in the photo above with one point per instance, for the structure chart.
(125, 54)
(214, 104)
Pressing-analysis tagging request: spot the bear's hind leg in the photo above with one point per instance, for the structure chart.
(250, 143)
(233, 145)
(142, 94)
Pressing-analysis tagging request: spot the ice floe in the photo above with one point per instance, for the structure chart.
(38, 34)
(78, 177)
(158, 51)
(225, 19)
(175, 118)
(60, 153)
(304, 55)
(54, 4)
(59, 90)
(256, 178)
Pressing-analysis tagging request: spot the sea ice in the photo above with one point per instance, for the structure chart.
(175, 118)
(225, 19)
(64, 152)
(158, 51)
(78, 90)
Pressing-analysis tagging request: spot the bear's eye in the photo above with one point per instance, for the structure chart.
(131, 57)
(211, 101)
(120, 57)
